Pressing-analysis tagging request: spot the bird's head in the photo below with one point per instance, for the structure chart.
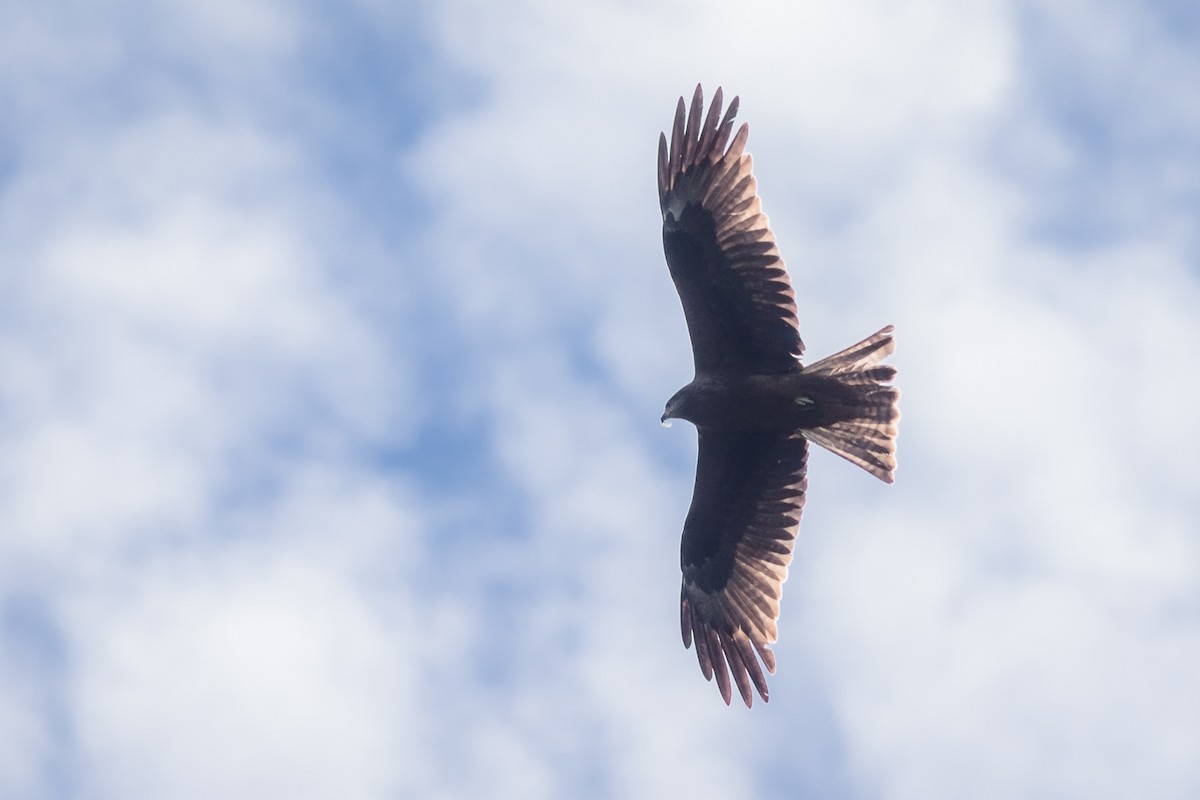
(676, 408)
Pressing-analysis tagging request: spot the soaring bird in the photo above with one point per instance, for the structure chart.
(754, 404)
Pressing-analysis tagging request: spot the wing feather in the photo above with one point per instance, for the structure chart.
(664, 165)
(711, 122)
(737, 545)
(692, 134)
(736, 295)
(676, 140)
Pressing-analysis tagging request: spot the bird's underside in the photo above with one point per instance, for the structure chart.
(755, 406)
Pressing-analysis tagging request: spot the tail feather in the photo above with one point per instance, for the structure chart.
(868, 439)
(859, 357)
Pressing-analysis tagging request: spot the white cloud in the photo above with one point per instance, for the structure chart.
(224, 468)
(237, 675)
(186, 384)
(170, 320)
(24, 729)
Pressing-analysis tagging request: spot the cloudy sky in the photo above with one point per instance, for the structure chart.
(333, 343)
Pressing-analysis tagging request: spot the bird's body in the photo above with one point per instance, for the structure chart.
(754, 404)
(775, 402)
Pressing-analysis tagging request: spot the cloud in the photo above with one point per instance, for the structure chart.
(187, 389)
(232, 672)
(335, 467)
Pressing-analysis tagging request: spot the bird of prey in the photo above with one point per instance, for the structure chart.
(754, 404)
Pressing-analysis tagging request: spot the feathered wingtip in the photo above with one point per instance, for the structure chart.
(869, 438)
(724, 650)
(692, 143)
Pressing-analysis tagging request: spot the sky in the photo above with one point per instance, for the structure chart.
(334, 340)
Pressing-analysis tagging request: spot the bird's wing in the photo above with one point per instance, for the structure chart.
(739, 304)
(737, 544)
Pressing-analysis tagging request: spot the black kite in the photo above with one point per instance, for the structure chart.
(755, 406)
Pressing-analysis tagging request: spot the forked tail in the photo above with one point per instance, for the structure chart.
(868, 438)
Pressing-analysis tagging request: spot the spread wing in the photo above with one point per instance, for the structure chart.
(739, 304)
(737, 544)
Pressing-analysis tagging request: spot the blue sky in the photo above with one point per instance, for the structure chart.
(333, 343)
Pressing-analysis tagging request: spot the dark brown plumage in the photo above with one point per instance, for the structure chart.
(755, 406)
